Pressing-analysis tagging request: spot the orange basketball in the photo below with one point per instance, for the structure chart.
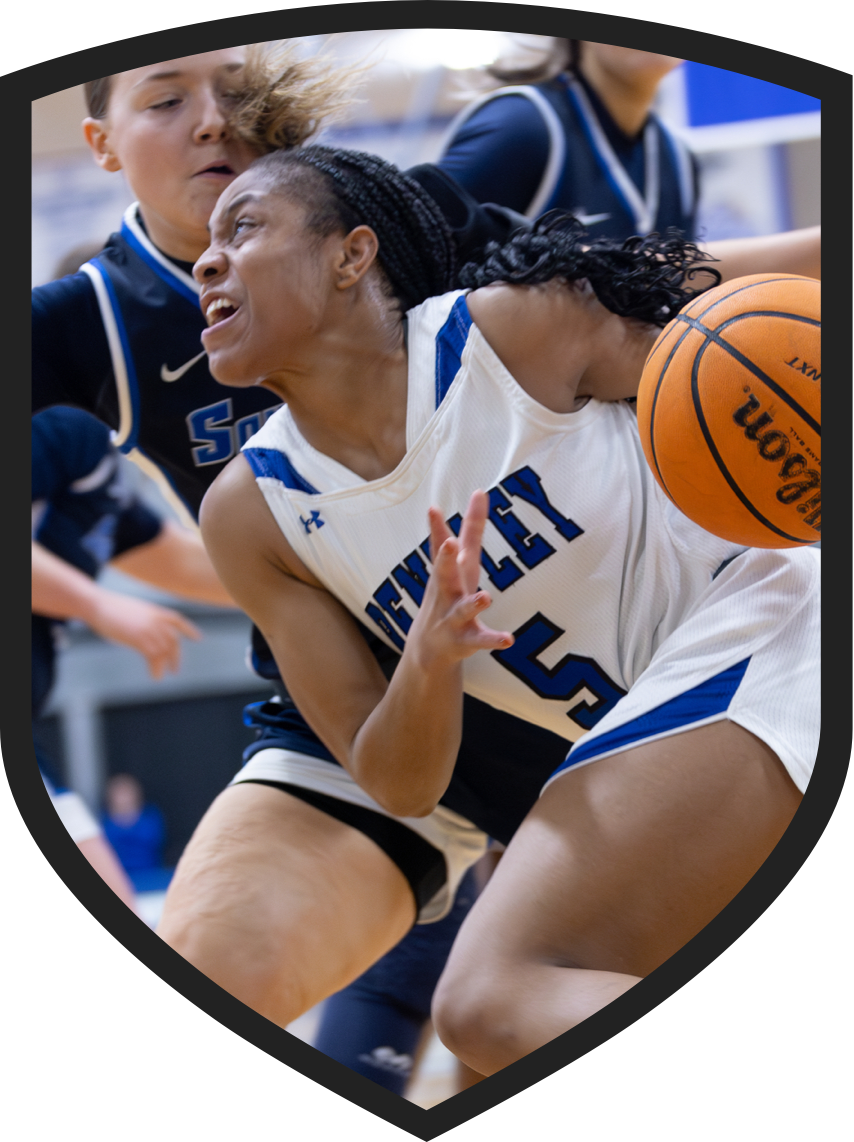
(729, 410)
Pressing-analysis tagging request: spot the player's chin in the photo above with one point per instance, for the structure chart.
(229, 368)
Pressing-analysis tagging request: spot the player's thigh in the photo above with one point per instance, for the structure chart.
(623, 860)
(281, 903)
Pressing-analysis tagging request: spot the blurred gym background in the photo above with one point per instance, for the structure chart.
(759, 151)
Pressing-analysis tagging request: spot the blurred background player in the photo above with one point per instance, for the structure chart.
(85, 517)
(578, 133)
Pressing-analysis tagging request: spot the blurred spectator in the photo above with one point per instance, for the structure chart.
(136, 831)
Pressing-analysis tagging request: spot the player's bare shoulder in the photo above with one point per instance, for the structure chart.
(238, 527)
(541, 335)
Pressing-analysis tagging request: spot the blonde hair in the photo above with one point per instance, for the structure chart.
(285, 96)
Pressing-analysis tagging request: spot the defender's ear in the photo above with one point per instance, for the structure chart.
(97, 135)
(358, 253)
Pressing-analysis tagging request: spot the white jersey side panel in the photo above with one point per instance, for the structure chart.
(587, 562)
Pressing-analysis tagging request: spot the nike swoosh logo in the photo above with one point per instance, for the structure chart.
(589, 219)
(168, 375)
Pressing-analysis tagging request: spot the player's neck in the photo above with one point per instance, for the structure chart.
(178, 244)
(350, 403)
(627, 102)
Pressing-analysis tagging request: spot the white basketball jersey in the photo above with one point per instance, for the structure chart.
(587, 562)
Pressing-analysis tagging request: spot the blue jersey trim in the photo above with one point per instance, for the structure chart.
(129, 443)
(271, 464)
(450, 342)
(704, 701)
(594, 147)
(161, 271)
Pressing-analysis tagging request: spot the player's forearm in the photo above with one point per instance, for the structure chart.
(60, 591)
(404, 754)
(792, 252)
(176, 561)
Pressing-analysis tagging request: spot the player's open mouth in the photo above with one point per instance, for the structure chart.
(220, 309)
(217, 169)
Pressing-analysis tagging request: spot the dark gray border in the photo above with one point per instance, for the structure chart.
(751, 992)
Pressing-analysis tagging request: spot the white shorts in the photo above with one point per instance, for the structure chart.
(459, 841)
(770, 684)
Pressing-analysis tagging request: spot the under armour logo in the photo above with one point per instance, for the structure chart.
(314, 519)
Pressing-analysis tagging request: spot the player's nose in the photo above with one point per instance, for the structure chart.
(210, 265)
(212, 125)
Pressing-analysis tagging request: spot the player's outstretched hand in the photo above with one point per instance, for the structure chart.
(448, 626)
(152, 630)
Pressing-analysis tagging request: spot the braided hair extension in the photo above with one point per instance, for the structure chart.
(345, 189)
(645, 278)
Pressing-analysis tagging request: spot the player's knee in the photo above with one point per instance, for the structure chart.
(475, 1021)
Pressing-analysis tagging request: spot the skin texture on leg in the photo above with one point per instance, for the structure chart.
(281, 904)
(616, 867)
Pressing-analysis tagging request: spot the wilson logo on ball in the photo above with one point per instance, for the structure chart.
(775, 445)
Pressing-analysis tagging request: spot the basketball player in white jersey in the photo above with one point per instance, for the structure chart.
(684, 668)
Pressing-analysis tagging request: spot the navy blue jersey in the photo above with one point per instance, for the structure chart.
(121, 339)
(554, 145)
(83, 512)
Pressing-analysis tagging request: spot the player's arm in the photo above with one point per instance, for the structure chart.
(791, 252)
(71, 362)
(60, 591)
(175, 560)
(398, 741)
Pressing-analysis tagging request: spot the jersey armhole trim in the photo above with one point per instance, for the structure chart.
(122, 362)
(557, 140)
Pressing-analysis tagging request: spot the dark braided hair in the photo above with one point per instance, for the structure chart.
(645, 278)
(345, 189)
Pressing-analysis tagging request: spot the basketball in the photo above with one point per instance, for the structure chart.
(729, 410)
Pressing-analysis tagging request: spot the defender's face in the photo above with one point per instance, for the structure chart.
(167, 129)
(628, 64)
(267, 283)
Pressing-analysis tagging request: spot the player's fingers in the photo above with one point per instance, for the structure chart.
(470, 606)
(484, 638)
(163, 651)
(471, 538)
(446, 571)
(439, 532)
(188, 629)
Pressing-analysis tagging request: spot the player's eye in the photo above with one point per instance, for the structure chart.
(165, 104)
